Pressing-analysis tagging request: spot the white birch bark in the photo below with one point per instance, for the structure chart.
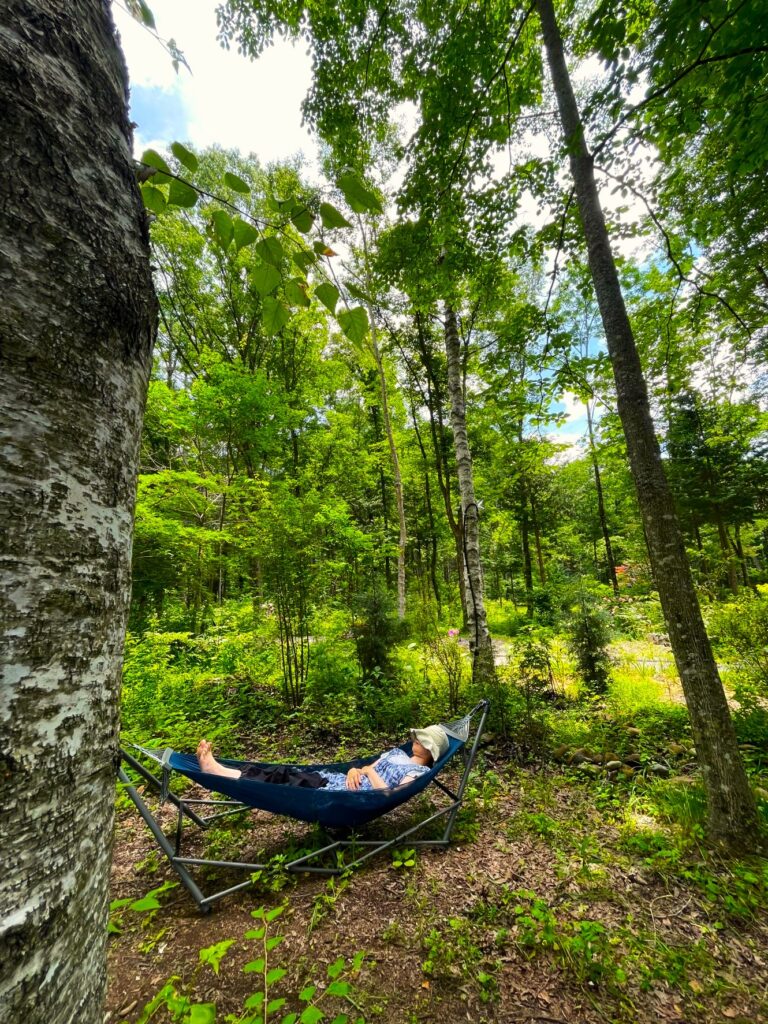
(76, 333)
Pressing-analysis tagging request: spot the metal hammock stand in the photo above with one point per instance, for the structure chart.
(333, 810)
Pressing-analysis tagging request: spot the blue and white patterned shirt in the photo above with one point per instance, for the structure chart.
(394, 767)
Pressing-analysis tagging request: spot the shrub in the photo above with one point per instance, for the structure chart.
(589, 640)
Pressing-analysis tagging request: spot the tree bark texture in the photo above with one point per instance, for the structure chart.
(732, 814)
(601, 503)
(76, 333)
(483, 669)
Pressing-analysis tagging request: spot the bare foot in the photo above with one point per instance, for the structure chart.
(210, 765)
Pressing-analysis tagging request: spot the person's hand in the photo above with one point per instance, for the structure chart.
(354, 777)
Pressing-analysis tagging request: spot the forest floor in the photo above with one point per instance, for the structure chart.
(565, 898)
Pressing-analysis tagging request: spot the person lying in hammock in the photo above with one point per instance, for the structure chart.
(394, 768)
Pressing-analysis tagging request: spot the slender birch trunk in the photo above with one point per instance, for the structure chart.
(76, 333)
(732, 813)
(483, 669)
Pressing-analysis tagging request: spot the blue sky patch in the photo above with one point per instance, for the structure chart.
(159, 113)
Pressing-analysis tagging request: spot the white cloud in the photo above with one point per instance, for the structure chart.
(229, 100)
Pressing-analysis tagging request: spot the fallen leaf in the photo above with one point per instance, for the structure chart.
(695, 986)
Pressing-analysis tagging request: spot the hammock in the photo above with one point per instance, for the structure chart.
(331, 809)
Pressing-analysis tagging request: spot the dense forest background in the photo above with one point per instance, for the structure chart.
(394, 462)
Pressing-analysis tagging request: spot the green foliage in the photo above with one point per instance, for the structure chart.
(589, 640)
(312, 1002)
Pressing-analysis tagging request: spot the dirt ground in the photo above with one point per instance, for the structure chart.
(437, 947)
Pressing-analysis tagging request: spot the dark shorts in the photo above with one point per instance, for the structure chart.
(284, 775)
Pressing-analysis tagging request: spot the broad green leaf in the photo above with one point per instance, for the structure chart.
(296, 292)
(357, 292)
(328, 295)
(274, 942)
(117, 904)
(255, 933)
(323, 250)
(245, 233)
(358, 195)
(258, 913)
(154, 198)
(274, 913)
(354, 323)
(271, 251)
(214, 954)
(151, 158)
(275, 1004)
(335, 969)
(331, 217)
(303, 219)
(303, 258)
(181, 194)
(307, 993)
(274, 315)
(339, 988)
(223, 228)
(290, 1018)
(265, 279)
(202, 1013)
(147, 903)
(275, 975)
(341, 1018)
(253, 1001)
(183, 155)
(141, 12)
(236, 183)
(311, 1015)
(254, 965)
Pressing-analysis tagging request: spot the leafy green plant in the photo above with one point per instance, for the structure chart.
(403, 859)
(147, 906)
(263, 1005)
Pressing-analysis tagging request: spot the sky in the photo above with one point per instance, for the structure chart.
(226, 99)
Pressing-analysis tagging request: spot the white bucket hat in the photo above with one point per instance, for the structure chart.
(433, 738)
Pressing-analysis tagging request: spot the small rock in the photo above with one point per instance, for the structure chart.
(626, 770)
(577, 758)
(658, 769)
(632, 731)
(677, 749)
(610, 756)
(613, 766)
(633, 760)
(559, 752)
(590, 769)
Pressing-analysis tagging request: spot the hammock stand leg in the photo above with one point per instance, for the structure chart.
(172, 850)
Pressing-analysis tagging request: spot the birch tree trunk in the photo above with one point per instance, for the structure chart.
(76, 334)
(483, 669)
(732, 813)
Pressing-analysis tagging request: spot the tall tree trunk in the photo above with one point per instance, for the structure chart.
(537, 538)
(430, 511)
(601, 504)
(525, 537)
(398, 482)
(76, 333)
(483, 669)
(732, 812)
(725, 547)
(397, 478)
(434, 404)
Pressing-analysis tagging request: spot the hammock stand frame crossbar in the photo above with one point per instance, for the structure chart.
(195, 811)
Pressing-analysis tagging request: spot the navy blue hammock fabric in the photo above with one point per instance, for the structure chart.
(330, 808)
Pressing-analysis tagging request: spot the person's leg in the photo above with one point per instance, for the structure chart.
(210, 765)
